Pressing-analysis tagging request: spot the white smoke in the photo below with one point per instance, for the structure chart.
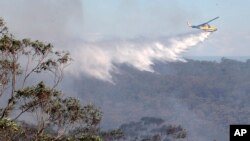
(98, 59)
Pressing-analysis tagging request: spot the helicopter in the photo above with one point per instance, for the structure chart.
(205, 26)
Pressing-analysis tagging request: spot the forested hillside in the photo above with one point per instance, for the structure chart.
(203, 96)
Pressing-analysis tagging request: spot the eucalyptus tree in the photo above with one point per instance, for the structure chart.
(23, 59)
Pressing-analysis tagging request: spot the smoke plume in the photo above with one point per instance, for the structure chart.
(98, 59)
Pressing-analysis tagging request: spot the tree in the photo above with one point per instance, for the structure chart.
(52, 110)
(19, 60)
(152, 129)
(112, 135)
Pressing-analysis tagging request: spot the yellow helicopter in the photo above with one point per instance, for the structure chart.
(205, 26)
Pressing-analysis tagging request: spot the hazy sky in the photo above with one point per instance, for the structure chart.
(63, 22)
(164, 17)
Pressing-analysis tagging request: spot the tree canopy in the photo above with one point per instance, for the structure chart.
(54, 114)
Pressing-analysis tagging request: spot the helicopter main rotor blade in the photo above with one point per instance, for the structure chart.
(211, 20)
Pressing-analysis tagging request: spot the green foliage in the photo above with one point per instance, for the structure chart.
(8, 124)
(89, 138)
(9, 130)
(58, 112)
(112, 135)
(22, 57)
(40, 92)
(83, 138)
(152, 129)
(70, 111)
(55, 115)
(176, 132)
(36, 97)
(3, 28)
